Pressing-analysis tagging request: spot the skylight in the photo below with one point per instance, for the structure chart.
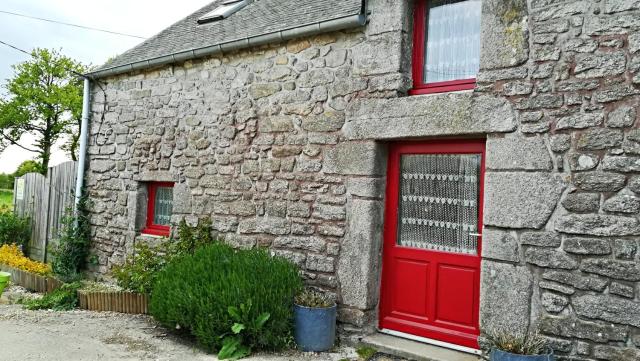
(223, 11)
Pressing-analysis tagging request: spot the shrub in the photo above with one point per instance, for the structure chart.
(14, 229)
(140, 270)
(138, 273)
(72, 248)
(11, 256)
(63, 298)
(197, 293)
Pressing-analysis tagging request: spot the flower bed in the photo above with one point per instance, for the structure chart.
(114, 301)
(30, 281)
(30, 274)
(12, 256)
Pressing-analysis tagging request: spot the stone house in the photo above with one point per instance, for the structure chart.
(441, 166)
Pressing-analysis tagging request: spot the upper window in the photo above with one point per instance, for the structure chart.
(446, 47)
(159, 208)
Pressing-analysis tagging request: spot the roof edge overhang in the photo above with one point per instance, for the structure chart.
(337, 24)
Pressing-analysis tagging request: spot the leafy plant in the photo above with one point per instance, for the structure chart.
(238, 345)
(528, 344)
(63, 298)
(72, 246)
(366, 352)
(314, 299)
(139, 272)
(12, 256)
(192, 238)
(195, 291)
(14, 230)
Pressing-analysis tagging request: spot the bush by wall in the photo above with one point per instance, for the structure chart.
(11, 256)
(72, 248)
(198, 291)
(140, 270)
(14, 230)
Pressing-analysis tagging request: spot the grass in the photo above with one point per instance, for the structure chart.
(366, 352)
(6, 199)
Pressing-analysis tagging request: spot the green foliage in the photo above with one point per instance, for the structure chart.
(138, 273)
(6, 181)
(366, 352)
(195, 291)
(192, 238)
(62, 299)
(72, 246)
(6, 200)
(45, 101)
(238, 345)
(529, 344)
(28, 166)
(14, 229)
(314, 299)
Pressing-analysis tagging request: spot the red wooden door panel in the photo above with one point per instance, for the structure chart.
(431, 260)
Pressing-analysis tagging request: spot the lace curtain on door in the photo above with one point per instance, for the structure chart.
(438, 205)
(452, 51)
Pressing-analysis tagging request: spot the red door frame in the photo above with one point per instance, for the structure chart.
(417, 327)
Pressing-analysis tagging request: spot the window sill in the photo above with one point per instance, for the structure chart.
(156, 232)
(444, 87)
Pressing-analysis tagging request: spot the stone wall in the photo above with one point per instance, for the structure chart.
(561, 210)
(285, 147)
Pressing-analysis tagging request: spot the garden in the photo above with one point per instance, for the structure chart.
(231, 302)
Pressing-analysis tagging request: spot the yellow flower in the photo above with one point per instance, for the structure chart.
(11, 256)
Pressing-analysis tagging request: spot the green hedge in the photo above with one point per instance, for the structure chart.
(14, 229)
(195, 292)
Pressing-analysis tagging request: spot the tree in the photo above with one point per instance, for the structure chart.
(44, 100)
(28, 166)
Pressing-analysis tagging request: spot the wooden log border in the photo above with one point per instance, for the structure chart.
(30, 281)
(123, 302)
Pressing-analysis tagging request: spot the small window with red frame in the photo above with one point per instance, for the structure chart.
(159, 208)
(446, 45)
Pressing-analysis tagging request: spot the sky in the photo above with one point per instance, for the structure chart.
(138, 17)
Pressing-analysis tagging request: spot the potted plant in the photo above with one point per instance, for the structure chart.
(507, 347)
(315, 321)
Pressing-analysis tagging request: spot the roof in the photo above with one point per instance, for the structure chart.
(259, 18)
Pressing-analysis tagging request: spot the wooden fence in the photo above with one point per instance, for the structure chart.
(30, 281)
(44, 200)
(123, 302)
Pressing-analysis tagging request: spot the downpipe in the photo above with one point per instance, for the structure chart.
(84, 129)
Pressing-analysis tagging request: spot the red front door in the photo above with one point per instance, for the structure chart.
(431, 262)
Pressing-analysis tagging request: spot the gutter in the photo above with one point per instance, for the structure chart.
(343, 23)
(84, 128)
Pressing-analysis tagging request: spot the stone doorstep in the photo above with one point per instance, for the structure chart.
(414, 350)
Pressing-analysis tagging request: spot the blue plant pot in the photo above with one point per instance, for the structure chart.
(315, 328)
(498, 355)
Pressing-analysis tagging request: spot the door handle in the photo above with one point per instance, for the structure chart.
(475, 234)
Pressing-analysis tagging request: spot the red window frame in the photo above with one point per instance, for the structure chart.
(152, 228)
(419, 42)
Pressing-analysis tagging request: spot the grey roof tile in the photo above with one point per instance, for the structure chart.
(258, 18)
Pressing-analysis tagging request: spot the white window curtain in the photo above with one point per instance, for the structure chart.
(452, 51)
(438, 207)
(163, 206)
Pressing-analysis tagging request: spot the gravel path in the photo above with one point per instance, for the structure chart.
(87, 336)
